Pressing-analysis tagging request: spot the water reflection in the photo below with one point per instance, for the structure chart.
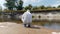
(54, 26)
(39, 16)
(47, 16)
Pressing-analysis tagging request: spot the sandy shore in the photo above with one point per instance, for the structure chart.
(13, 28)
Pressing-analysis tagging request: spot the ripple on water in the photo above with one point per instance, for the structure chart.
(54, 26)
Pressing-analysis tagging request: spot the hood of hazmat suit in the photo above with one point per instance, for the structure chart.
(27, 17)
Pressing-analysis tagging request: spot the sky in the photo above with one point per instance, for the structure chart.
(36, 2)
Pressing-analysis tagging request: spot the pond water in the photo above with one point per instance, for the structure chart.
(43, 16)
(52, 16)
(53, 26)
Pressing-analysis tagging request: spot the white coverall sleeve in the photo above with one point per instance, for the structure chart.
(22, 18)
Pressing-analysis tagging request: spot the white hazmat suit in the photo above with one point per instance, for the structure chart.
(27, 18)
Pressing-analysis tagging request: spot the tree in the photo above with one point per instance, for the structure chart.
(20, 6)
(10, 4)
(54, 7)
(28, 7)
(0, 8)
(58, 6)
(42, 7)
(34, 8)
(48, 7)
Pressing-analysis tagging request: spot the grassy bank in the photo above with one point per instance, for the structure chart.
(33, 22)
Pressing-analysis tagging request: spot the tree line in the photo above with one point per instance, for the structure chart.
(15, 4)
(40, 7)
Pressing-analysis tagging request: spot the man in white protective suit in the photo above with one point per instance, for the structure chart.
(27, 18)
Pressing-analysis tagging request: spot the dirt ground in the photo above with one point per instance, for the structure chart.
(13, 28)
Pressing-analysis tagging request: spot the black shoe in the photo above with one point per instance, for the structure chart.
(24, 25)
(29, 25)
